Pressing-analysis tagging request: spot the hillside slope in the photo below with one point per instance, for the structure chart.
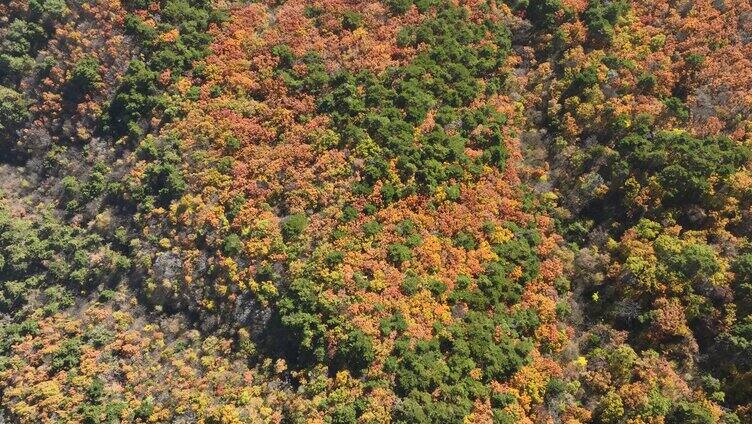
(375, 211)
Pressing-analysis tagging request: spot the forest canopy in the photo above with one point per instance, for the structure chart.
(380, 211)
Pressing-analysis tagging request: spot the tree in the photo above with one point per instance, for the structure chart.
(85, 76)
(14, 112)
(542, 13)
(689, 413)
(355, 352)
(294, 226)
(398, 253)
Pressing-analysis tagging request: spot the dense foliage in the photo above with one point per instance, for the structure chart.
(409, 211)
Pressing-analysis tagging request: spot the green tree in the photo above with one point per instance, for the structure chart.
(14, 112)
(85, 76)
(355, 352)
(542, 13)
(294, 226)
(689, 413)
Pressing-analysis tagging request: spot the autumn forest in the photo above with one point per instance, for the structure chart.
(376, 211)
